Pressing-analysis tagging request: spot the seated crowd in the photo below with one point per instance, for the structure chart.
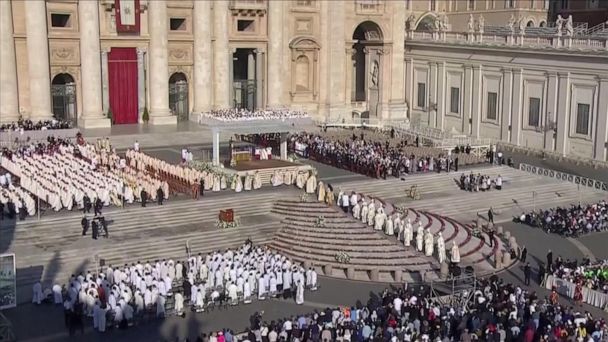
(498, 312)
(592, 276)
(573, 221)
(29, 125)
(242, 114)
(479, 182)
(120, 296)
(377, 156)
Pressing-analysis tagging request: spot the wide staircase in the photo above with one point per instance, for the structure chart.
(373, 256)
(266, 174)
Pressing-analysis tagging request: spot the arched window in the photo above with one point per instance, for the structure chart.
(530, 24)
(178, 96)
(63, 93)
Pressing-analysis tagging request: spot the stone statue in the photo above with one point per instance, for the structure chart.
(511, 24)
(559, 24)
(437, 24)
(375, 72)
(569, 26)
(411, 20)
(480, 24)
(471, 23)
(443, 22)
(522, 26)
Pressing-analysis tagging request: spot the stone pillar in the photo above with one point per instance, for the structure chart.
(159, 64)
(251, 75)
(601, 136)
(349, 77)
(275, 53)
(284, 146)
(216, 148)
(259, 78)
(221, 56)
(231, 91)
(441, 96)
(476, 99)
(105, 90)
(505, 115)
(516, 107)
(141, 83)
(409, 86)
(202, 56)
(38, 60)
(563, 111)
(466, 116)
(551, 108)
(336, 45)
(432, 96)
(9, 93)
(397, 88)
(90, 66)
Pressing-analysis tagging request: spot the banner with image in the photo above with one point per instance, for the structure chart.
(127, 16)
(8, 281)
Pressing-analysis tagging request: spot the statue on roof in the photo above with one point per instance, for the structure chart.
(569, 26)
(443, 22)
(480, 24)
(471, 23)
(411, 21)
(511, 24)
(559, 24)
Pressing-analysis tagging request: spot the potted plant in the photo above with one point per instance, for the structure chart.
(110, 115)
(146, 116)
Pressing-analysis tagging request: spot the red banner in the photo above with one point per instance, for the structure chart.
(127, 16)
(122, 75)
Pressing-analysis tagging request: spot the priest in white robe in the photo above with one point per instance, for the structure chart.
(455, 253)
(300, 293)
(371, 213)
(248, 182)
(364, 212)
(379, 219)
(257, 181)
(357, 211)
(428, 243)
(441, 248)
(407, 233)
(419, 238)
(179, 303)
(321, 192)
(311, 183)
(388, 227)
(239, 184)
(37, 295)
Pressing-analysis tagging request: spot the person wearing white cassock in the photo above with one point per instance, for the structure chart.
(371, 213)
(440, 248)
(300, 293)
(37, 295)
(246, 293)
(200, 299)
(261, 289)
(311, 183)
(455, 253)
(216, 184)
(248, 182)
(313, 276)
(357, 211)
(321, 192)
(379, 219)
(428, 243)
(364, 212)
(388, 227)
(419, 238)
(239, 184)
(160, 306)
(179, 303)
(407, 233)
(233, 294)
(57, 294)
(101, 317)
(257, 181)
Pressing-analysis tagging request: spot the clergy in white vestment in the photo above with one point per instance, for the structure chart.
(275, 179)
(37, 295)
(379, 219)
(420, 238)
(321, 192)
(233, 182)
(248, 182)
(311, 183)
(239, 184)
(216, 183)
(428, 243)
(364, 212)
(388, 227)
(455, 253)
(357, 211)
(371, 213)
(257, 181)
(233, 294)
(300, 293)
(57, 294)
(246, 293)
(160, 306)
(407, 233)
(223, 184)
(440, 248)
(300, 180)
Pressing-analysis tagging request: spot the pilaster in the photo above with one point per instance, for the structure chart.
(441, 97)
(159, 65)
(275, 53)
(468, 94)
(432, 100)
(516, 109)
(563, 110)
(221, 56)
(601, 136)
(552, 91)
(141, 83)
(476, 101)
(9, 94)
(38, 60)
(203, 96)
(505, 116)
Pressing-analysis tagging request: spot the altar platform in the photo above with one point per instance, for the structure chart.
(252, 165)
(266, 168)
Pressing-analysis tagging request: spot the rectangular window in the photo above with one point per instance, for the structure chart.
(177, 24)
(433, 4)
(593, 4)
(61, 20)
(245, 25)
(564, 4)
(582, 118)
(304, 3)
(471, 5)
(534, 112)
(421, 95)
(531, 4)
(491, 111)
(455, 100)
(510, 3)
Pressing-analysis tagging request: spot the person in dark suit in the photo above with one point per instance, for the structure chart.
(490, 215)
(524, 254)
(144, 197)
(160, 195)
(549, 258)
(95, 227)
(85, 225)
(527, 273)
(201, 187)
(86, 203)
(98, 206)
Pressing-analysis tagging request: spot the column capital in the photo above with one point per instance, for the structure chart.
(506, 70)
(563, 74)
(602, 78)
(477, 67)
(141, 51)
(259, 51)
(551, 74)
(518, 71)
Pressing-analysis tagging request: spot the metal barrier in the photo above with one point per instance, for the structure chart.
(566, 177)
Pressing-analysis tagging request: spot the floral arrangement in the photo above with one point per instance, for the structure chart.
(342, 257)
(225, 224)
(208, 167)
(292, 157)
(320, 222)
(476, 232)
(304, 198)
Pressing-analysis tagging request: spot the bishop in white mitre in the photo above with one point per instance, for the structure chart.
(419, 238)
(441, 248)
(371, 213)
(388, 227)
(428, 243)
(407, 233)
(357, 211)
(364, 211)
(455, 253)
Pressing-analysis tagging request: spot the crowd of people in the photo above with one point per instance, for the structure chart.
(119, 296)
(572, 221)
(243, 114)
(29, 125)
(376, 156)
(593, 276)
(479, 182)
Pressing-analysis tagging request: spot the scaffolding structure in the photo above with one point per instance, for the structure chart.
(457, 291)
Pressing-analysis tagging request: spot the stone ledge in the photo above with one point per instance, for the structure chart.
(87, 123)
(163, 120)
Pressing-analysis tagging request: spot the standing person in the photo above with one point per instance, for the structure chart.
(160, 195)
(549, 259)
(527, 273)
(86, 204)
(98, 206)
(523, 254)
(95, 227)
(491, 236)
(491, 215)
(136, 146)
(201, 187)
(85, 225)
(144, 197)
(456, 164)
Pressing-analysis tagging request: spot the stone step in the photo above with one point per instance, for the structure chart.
(360, 247)
(334, 233)
(359, 243)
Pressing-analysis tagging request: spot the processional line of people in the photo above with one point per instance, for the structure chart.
(119, 295)
(371, 212)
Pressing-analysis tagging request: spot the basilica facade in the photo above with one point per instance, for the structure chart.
(467, 65)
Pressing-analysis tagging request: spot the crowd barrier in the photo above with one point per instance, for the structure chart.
(11, 137)
(582, 181)
(566, 288)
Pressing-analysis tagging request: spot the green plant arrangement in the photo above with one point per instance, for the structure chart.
(146, 115)
(320, 222)
(224, 224)
(342, 257)
(304, 198)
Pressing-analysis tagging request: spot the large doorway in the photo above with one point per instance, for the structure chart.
(367, 66)
(63, 92)
(122, 74)
(178, 96)
(244, 79)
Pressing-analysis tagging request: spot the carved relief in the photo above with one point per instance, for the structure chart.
(303, 26)
(180, 54)
(64, 53)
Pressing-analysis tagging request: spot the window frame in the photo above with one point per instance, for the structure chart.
(488, 102)
(418, 98)
(588, 118)
(184, 24)
(70, 18)
(537, 101)
(457, 103)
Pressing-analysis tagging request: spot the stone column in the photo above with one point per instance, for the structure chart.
(216, 147)
(90, 66)
(551, 109)
(336, 46)
(203, 97)
(231, 92)
(505, 115)
(284, 146)
(441, 98)
(9, 93)
(432, 95)
(105, 81)
(222, 58)
(397, 89)
(251, 76)
(259, 78)
(409, 84)
(348, 79)
(275, 53)
(159, 64)
(467, 100)
(38, 60)
(476, 106)
(601, 136)
(516, 107)
(141, 83)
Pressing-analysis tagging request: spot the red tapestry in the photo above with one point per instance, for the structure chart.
(127, 16)
(122, 74)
